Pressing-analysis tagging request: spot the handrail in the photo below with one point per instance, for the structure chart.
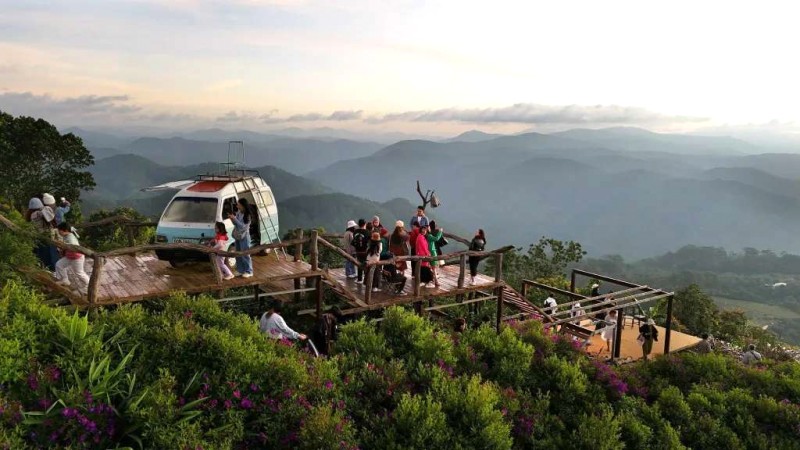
(338, 251)
(121, 219)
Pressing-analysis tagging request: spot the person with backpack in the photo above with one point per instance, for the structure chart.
(398, 244)
(360, 243)
(43, 220)
(478, 244)
(349, 267)
(751, 355)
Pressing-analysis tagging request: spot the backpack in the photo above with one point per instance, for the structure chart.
(360, 241)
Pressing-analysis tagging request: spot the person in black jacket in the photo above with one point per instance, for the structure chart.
(648, 333)
(478, 244)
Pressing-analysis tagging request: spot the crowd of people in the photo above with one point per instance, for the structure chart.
(370, 242)
(49, 218)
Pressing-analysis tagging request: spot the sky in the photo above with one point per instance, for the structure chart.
(434, 67)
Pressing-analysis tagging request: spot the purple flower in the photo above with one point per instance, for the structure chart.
(33, 382)
(227, 404)
(254, 387)
(329, 385)
(69, 412)
(287, 393)
(188, 314)
(246, 403)
(237, 394)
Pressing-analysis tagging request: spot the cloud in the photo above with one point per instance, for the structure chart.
(86, 106)
(336, 116)
(529, 113)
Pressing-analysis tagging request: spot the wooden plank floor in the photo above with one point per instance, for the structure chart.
(631, 349)
(134, 278)
(448, 282)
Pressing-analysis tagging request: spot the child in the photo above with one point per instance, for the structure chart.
(72, 259)
(220, 242)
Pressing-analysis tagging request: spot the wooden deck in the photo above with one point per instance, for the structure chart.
(134, 278)
(631, 349)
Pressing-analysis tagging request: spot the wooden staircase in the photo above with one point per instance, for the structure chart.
(513, 298)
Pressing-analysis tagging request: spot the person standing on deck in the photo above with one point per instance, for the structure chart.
(43, 220)
(377, 226)
(360, 245)
(349, 267)
(412, 245)
(220, 242)
(62, 210)
(373, 256)
(478, 244)
(423, 249)
(648, 333)
(398, 245)
(420, 219)
(241, 234)
(610, 329)
(433, 236)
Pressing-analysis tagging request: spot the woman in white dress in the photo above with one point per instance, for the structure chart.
(610, 329)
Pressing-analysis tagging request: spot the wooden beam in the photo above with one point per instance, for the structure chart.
(498, 267)
(668, 325)
(466, 302)
(618, 332)
(499, 294)
(215, 268)
(298, 248)
(611, 280)
(339, 251)
(368, 282)
(619, 305)
(319, 296)
(416, 280)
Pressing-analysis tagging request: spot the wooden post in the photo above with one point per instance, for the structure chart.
(668, 324)
(524, 291)
(618, 333)
(417, 271)
(498, 292)
(462, 268)
(94, 280)
(572, 281)
(370, 274)
(298, 255)
(131, 235)
(215, 268)
(257, 298)
(319, 297)
(298, 248)
(498, 267)
(314, 250)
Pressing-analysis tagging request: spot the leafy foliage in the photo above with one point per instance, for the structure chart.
(36, 158)
(117, 235)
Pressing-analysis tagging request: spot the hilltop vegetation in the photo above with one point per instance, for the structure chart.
(184, 374)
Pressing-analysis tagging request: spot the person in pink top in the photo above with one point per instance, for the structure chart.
(220, 242)
(423, 250)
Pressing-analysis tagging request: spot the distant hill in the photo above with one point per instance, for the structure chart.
(332, 211)
(472, 136)
(601, 192)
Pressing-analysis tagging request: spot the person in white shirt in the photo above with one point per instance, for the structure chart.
(610, 329)
(551, 303)
(273, 325)
(751, 355)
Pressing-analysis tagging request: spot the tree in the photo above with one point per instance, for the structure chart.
(116, 235)
(694, 310)
(547, 259)
(36, 158)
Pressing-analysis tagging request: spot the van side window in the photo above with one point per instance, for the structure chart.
(267, 197)
(228, 206)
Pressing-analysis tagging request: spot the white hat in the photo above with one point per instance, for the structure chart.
(651, 322)
(350, 224)
(35, 203)
(48, 199)
(400, 224)
(595, 285)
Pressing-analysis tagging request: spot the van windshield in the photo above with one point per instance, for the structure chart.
(191, 209)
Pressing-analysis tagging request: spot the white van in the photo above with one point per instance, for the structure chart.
(190, 215)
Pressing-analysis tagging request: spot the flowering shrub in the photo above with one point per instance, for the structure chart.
(184, 374)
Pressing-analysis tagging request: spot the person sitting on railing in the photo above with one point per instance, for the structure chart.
(220, 242)
(273, 325)
(374, 255)
(72, 260)
(478, 244)
(394, 277)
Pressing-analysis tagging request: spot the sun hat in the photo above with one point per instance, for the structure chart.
(376, 218)
(35, 203)
(376, 236)
(351, 224)
(48, 199)
(651, 322)
(400, 224)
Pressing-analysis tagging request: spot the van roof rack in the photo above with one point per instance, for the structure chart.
(230, 175)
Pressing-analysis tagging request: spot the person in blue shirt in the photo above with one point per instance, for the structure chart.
(62, 210)
(241, 234)
(420, 219)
